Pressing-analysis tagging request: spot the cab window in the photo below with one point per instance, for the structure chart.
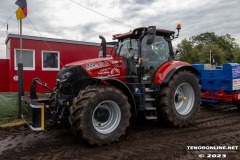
(154, 55)
(127, 48)
(157, 51)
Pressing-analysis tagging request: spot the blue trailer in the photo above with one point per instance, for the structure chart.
(219, 83)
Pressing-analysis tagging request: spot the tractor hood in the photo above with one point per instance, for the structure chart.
(103, 67)
(83, 63)
(75, 76)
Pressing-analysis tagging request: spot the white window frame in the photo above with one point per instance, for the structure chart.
(51, 69)
(24, 68)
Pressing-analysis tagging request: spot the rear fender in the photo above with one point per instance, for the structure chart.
(167, 70)
(124, 88)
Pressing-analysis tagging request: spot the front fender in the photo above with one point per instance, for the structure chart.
(166, 71)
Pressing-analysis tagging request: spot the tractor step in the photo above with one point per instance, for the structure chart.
(149, 99)
(151, 117)
(150, 108)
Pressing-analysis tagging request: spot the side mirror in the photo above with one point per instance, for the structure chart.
(151, 34)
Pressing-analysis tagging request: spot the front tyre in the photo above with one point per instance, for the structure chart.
(180, 99)
(100, 114)
(53, 105)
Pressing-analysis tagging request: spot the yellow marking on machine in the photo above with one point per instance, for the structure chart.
(42, 117)
(184, 99)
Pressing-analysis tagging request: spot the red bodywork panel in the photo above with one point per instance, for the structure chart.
(116, 68)
(104, 67)
(165, 68)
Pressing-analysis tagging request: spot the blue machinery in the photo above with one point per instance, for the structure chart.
(219, 83)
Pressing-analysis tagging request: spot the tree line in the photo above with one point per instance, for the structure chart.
(197, 49)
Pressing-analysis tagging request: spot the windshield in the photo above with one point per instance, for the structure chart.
(154, 55)
(127, 48)
(158, 50)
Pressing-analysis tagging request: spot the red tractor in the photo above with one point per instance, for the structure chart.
(99, 96)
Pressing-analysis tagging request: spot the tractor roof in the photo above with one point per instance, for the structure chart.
(132, 33)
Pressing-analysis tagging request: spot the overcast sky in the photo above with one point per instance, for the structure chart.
(67, 20)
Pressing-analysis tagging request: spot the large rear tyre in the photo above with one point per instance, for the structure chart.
(100, 114)
(180, 99)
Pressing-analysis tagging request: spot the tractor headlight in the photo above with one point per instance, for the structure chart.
(65, 76)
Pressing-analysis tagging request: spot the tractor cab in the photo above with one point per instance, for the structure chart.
(144, 50)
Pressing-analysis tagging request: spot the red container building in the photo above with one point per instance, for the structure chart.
(42, 58)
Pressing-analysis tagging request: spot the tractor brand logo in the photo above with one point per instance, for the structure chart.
(116, 61)
(109, 72)
(105, 71)
(115, 72)
(93, 65)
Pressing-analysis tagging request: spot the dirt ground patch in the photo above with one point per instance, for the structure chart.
(214, 126)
